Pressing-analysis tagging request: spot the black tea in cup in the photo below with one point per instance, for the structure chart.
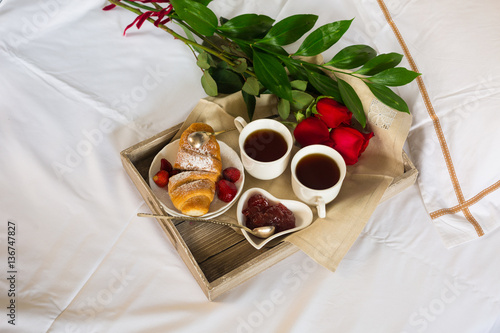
(317, 171)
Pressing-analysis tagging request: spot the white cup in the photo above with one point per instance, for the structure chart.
(258, 169)
(319, 198)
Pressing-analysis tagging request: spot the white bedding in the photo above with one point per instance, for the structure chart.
(74, 93)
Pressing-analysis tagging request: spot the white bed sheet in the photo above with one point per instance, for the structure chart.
(74, 92)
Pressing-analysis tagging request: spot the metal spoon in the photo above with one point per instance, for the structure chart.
(199, 138)
(260, 232)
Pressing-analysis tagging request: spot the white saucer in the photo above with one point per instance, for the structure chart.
(229, 159)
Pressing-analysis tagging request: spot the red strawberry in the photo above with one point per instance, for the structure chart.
(165, 165)
(174, 172)
(226, 191)
(232, 174)
(161, 178)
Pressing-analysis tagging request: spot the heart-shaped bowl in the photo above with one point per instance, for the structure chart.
(303, 215)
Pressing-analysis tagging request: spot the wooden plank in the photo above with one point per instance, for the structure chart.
(230, 259)
(207, 240)
(402, 182)
(251, 268)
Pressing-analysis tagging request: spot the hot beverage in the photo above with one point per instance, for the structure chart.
(265, 145)
(317, 171)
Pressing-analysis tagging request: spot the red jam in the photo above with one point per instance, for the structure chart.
(260, 212)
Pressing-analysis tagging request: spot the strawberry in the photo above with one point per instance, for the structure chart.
(161, 178)
(226, 191)
(174, 172)
(165, 165)
(232, 174)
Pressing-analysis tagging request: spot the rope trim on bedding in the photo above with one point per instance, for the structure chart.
(463, 204)
(467, 203)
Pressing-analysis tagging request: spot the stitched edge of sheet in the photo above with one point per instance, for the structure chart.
(463, 204)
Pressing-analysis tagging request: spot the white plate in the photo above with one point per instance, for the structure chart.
(303, 215)
(229, 159)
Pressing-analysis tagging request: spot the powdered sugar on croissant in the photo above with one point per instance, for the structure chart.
(193, 190)
(204, 158)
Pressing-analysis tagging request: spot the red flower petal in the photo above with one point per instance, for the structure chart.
(329, 143)
(349, 142)
(367, 140)
(143, 18)
(109, 7)
(161, 14)
(130, 25)
(311, 131)
(332, 113)
(139, 20)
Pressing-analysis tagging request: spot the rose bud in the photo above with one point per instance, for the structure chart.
(328, 142)
(332, 113)
(349, 142)
(311, 131)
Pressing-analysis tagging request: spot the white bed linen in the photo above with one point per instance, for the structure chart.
(74, 93)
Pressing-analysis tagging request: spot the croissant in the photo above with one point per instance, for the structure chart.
(193, 190)
(204, 158)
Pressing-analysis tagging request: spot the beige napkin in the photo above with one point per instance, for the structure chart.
(326, 240)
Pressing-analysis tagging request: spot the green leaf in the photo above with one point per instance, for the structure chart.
(299, 116)
(310, 111)
(271, 73)
(301, 99)
(247, 26)
(273, 49)
(283, 108)
(250, 102)
(324, 85)
(352, 56)
(388, 97)
(208, 84)
(251, 86)
(380, 63)
(204, 2)
(323, 38)
(228, 82)
(294, 68)
(394, 77)
(245, 48)
(197, 15)
(203, 60)
(289, 29)
(352, 101)
(215, 41)
(138, 5)
(189, 35)
(299, 85)
(241, 65)
(223, 20)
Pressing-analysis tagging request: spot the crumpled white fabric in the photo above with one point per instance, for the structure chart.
(456, 55)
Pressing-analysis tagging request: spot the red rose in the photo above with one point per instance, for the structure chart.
(328, 142)
(349, 142)
(332, 113)
(311, 131)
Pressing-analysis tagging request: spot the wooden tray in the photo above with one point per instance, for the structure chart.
(219, 258)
